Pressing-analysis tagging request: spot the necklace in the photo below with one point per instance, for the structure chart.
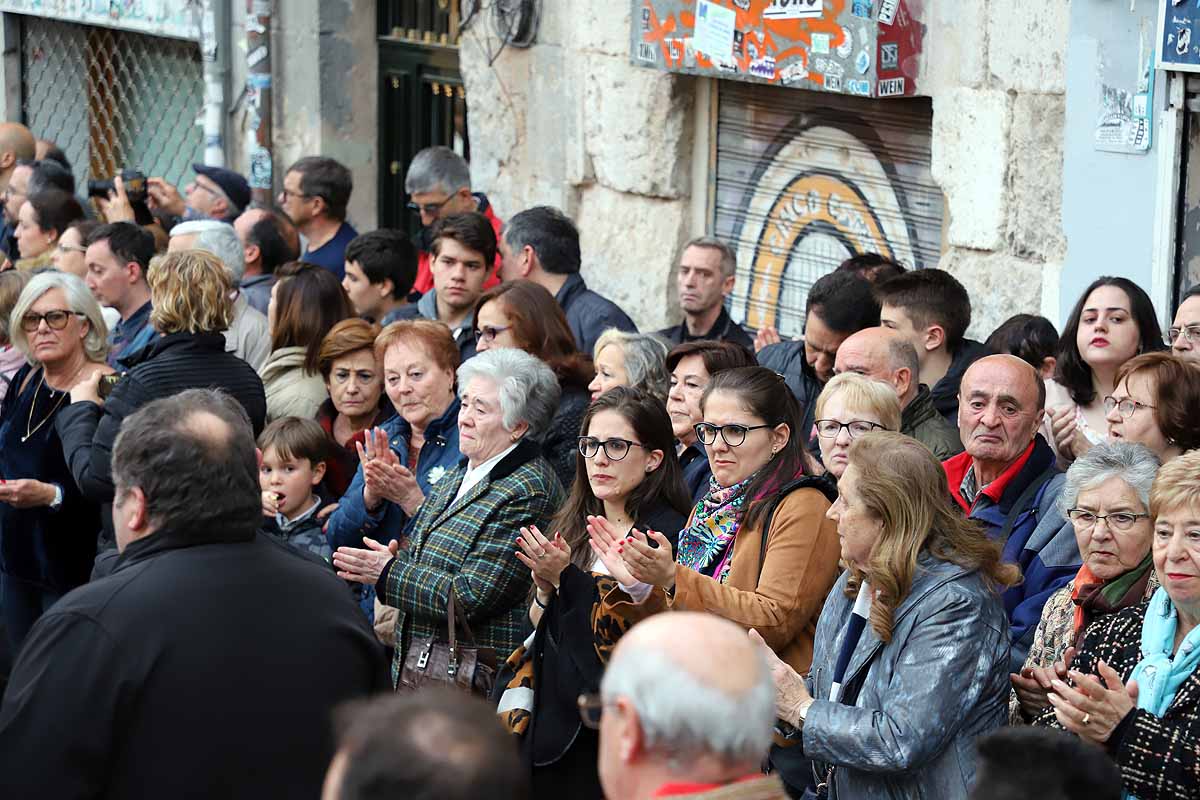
(30, 428)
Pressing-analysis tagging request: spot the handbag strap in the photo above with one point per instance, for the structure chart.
(455, 616)
(819, 482)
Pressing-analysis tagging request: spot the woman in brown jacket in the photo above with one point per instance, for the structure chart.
(722, 564)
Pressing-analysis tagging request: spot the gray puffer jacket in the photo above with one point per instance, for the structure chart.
(925, 696)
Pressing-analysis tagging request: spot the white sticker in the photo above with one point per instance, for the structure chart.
(714, 29)
(892, 87)
(833, 83)
(820, 43)
(847, 46)
(795, 9)
(763, 68)
(793, 73)
(888, 10)
(647, 52)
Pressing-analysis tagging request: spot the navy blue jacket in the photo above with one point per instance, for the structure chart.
(787, 360)
(590, 314)
(438, 456)
(696, 471)
(1041, 542)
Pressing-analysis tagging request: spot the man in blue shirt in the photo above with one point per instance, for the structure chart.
(118, 255)
(315, 194)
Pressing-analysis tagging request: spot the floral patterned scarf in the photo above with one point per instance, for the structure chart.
(706, 544)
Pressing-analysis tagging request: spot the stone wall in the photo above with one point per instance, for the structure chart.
(571, 122)
(996, 72)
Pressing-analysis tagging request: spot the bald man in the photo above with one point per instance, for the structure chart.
(1007, 480)
(658, 740)
(882, 354)
(16, 144)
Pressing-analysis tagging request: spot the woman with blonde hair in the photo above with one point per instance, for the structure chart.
(190, 291)
(630, 359)
(850, 406)
(910, 663)
(47, 528)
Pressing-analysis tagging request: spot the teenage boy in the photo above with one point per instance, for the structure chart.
(380, 269)
(932, 310)
(293, 463)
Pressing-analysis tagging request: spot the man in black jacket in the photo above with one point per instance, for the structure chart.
(707, 270)
(208, 663)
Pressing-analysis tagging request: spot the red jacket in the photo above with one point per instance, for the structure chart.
(424, 280)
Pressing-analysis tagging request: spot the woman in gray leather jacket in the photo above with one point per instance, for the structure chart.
(911, 655)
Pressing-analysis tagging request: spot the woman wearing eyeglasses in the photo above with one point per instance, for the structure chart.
(626, 479)
(524, 315)
(1106, 496)
(768, 574)
(47, 527)
(850, 406)
(1156, 402)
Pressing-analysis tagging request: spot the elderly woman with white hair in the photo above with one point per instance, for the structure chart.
(248, 335)
(1106, 497)
(630, 359)
(460, 542)
(47, 527)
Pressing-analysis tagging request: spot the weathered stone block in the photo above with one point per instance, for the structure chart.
(637, 127)
(497, 98)
(1027, 44)
(603, 27)
(629, 243)
(970, 158)
(1000, 285)
(952, 57)
(1035, 177)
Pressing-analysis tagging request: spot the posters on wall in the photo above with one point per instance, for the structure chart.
(1179, 35)
(1123, 124)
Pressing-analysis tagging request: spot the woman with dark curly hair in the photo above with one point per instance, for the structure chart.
(524, 315)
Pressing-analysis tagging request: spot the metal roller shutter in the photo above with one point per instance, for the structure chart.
(805, 180)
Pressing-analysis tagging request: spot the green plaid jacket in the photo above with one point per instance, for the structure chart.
(472, 544)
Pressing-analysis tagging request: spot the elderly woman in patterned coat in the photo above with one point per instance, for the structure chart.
(461, 537)
(1106, 497)
(1134, 686)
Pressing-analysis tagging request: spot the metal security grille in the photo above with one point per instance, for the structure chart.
(805, 180)
(113, 99)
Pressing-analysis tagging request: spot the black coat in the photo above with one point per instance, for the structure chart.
(170, 365)
(205, 666)
(558, 749)
(723, 330)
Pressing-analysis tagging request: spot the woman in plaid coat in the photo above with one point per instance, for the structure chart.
(463, 533)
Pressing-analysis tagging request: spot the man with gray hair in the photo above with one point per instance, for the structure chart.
(705, 278)
(249, 335)
(208, 662)
(675, 720)
(882, 354)
(438, 184)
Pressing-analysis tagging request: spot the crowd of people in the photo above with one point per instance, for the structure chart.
(250, 457)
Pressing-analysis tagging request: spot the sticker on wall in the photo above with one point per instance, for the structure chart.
(889, 56)
(862, 62)
(763, 68)
(739, 37)
(793, 73)
(862, 8)
(861, 88)
(820, 43)
(1123, 123)
(714, 29)
(794, 9)
(646, 18)
(892, 87)
(847, 46)
(744, 5)
(888, 10)
(833, 83)
(828, 66)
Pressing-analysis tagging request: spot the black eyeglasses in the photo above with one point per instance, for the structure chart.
(831, 428)
(733, 434)
(56, 319)
(488, 333)
(429, 209)
(615, 449)
(1126, 406)
(285, 194)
